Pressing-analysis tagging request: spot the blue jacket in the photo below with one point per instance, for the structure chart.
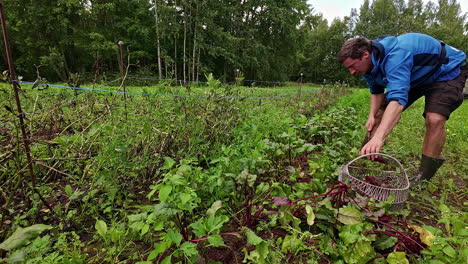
(409, 61)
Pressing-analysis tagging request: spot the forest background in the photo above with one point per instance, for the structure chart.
(76, 41)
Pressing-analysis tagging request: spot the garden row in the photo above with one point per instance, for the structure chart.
(203, 180)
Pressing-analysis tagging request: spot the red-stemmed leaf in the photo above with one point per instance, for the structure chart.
(282, 201)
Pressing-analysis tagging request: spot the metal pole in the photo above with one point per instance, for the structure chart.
(14, 83)
(123, 72)
(121, 58)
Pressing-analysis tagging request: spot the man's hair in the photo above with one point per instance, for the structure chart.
(354, 48)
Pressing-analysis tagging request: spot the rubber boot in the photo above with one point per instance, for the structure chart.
(427, 169)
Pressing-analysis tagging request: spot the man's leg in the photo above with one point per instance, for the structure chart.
(432, 147)
(434, 139)
(442, 98)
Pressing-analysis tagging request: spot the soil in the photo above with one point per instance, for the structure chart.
(232, 253)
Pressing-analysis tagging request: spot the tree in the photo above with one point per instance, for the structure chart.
(46, 33)
(183, 39)
(380, 18)
(448, 24)
(158, 43)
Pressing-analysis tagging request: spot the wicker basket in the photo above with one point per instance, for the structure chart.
(377, 183)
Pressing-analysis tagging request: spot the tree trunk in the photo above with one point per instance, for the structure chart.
(185, 46)
(198, 63)
(63, 71)
(158, 46)
(194, 53)
(165, 68)
(194, 49)
(175, 57)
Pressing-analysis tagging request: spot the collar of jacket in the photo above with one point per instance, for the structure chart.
(379, 51)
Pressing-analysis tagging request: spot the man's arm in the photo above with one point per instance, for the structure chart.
(390, 118)
(376, 101)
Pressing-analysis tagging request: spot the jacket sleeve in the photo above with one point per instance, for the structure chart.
(397, 69)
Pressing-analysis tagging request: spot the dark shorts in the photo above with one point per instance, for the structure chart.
(441, 97)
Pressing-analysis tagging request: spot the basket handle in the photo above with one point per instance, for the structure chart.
(380, 154)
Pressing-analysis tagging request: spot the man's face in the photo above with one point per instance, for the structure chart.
(362, 65)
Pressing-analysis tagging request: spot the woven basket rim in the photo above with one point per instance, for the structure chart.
(404, 176)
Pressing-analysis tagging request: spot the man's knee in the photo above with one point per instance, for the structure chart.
(435, 121)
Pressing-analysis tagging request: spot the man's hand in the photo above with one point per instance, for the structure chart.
(390, 117)
(373, 146)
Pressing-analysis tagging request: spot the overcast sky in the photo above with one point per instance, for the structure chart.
(340, 8)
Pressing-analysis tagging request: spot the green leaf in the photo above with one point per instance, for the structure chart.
(214, 223)
(116, 235)
(397, 258)
(167, 260)
(68, 190)
(385, 242)
(153, 190)
(245, 177)
(189, 249)
(252, 238)
(327, 204)
(433, 230)
(165, 209)
(158, 226)
(291, 244)
(101, 228)
(464, 252)
(144, 229)
(75, 195)
(450, 251)
(22, 236)
(263, 251)
(216, 241)
(351, 233)
(137, 217)
(349, 237)
(307, 147)
(168, 163)
(158, 249)
(310, 215)
(185, 197)
(435, 261)
(199, 227)
(359, 252)
(164, 191)
(173, 236)
(16, 257)
(184, 169)
(349, 216)
(214, 207)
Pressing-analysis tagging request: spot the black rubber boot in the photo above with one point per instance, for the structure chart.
(427, 169)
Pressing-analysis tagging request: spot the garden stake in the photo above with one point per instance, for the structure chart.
(124, 77)
(14, 83)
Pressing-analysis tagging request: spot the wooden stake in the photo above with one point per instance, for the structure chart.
(15, 85)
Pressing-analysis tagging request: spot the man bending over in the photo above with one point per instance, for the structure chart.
(399, 70)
